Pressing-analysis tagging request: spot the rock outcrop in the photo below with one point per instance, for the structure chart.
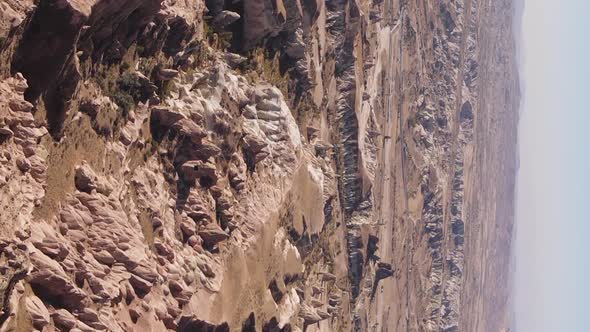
(255, 165)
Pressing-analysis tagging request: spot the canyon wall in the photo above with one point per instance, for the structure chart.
(256, 165)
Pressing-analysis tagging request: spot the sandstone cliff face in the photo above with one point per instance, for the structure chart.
(255, 165)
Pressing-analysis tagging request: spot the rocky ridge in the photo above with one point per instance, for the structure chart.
(261, 165)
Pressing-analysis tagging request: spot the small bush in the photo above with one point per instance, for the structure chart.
(125, 66)
(207, 30)
(134, 86)
(412, 121)
(272, 73)
(106, 79)
(225, 39)
(166, 89)
(140, 50)
(124, 101)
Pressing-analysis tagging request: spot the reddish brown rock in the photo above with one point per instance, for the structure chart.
(212, 234)
(140, 285)
(52, 248)
(23, 164)
(167, 74)
(64, 319)
(59, 287)
(6, 132)
(189, 128)
(164, 116)
(104, 257)
(187, 227)
(37, 312)
(197, 169)
(19, 105)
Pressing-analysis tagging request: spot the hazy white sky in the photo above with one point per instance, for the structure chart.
(552, 283)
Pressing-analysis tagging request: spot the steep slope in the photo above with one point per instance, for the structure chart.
(256, 165)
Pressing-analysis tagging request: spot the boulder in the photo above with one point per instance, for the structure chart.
(104, 257)
(255, 147)
(90, 107)
(102, 288)
(165, 116)
(63, 319)
(224, 18)
(52, 248)
(145, 272)
(194, 240)
(254, 143)
(212, 234)
(86, 180)
(121, 256)
(179, 291)
(190, 129)
(165, 74)
(237, 178)
(126, 137)
(234, 60)
(88, 316)
(57, 286)
(309, 314)
(23, 164)
(198, 207)
(187, 227)
(6, 132)
(163, 249)
(208, 150)
(19, 83)
(140, 285)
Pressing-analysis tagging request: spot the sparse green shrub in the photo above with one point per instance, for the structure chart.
(134, 86)
(304, 109)
(412, 121)
(139, 50)
(125, 66)
(124, 101)
(106, 79)
(207, 30)
(153, 145)
(166, 89)
(225, 39)
(272, 74)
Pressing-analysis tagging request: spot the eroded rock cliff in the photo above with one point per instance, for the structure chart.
(256, 165)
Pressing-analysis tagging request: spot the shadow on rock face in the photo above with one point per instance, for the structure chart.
(44, 57)
(249, 324)
(193, 324)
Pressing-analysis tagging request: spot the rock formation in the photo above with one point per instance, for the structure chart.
(256, 165)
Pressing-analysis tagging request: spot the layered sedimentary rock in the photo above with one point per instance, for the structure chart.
(256, 165)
